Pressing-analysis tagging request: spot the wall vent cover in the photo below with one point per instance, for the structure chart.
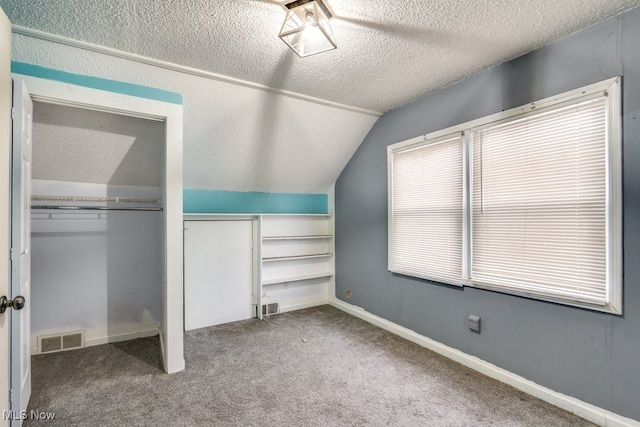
(60, 342)
(269, 309)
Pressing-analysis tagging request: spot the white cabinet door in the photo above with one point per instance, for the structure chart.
(218, 272)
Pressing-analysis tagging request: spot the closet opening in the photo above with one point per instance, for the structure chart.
(97, 228)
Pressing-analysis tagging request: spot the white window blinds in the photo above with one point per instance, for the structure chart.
(527, 201)
(539, 195)
(426, 210)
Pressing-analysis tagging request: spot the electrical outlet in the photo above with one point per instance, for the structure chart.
(474, 323)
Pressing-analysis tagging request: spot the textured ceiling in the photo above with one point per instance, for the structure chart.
(389, 51)
(239, 136)
(76, 145)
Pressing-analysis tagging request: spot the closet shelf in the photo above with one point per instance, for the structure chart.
(310, 237)
(294, 257)
(296, 278)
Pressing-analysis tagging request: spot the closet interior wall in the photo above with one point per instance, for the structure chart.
(96, 271)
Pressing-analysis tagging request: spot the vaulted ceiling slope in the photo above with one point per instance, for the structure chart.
(236, 138)
(389, 51)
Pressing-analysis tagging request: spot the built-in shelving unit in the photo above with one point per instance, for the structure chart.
(292, 262)
(296, 262)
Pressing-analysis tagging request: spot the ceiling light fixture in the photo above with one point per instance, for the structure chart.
(306, 28)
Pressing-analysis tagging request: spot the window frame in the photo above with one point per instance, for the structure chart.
(613, 222)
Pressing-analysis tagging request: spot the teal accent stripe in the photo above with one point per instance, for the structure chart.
(231, 202)
(96, 83)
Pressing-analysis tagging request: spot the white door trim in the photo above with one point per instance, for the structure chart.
(54, 92)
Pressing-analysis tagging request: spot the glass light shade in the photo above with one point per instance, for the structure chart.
(306, 28)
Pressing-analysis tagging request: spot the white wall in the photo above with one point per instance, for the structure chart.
(98, 272)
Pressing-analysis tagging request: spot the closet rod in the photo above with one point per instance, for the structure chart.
(95, 199)
(95, 208)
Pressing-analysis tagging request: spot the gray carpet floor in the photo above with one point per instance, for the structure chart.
(314, 367)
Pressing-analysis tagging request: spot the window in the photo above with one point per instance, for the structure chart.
(527, 201)
(427, 211)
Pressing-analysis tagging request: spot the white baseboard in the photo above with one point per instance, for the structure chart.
(293, 307)
(89, 342)
(585, 410)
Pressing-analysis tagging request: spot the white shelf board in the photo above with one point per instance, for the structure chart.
(296, 279)
(285, 258)
(309, 237)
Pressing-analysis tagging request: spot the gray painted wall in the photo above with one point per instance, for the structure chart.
(591, 356)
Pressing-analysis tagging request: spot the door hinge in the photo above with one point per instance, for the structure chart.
(13, 113)
(11, 254)
(10, 398)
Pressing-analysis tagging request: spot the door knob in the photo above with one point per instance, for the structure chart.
(17, 303)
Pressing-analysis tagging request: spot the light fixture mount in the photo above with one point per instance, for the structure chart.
(306, 29)
(320, 3)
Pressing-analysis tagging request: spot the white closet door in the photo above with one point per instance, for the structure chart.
(218, 272)
(21, 247)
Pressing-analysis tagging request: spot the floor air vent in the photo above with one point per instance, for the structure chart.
(60, 342)
(269, 309)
